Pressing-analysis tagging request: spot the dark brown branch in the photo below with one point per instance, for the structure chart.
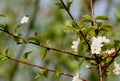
(67, 10)
(41, 67)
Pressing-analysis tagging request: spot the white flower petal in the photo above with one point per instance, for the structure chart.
(97, 44)
(24, 19)
(77, 78)
(75, 44)
(117, 68)
(110, 51)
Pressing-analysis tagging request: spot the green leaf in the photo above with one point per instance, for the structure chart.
(90, 30)
(6, 51)
(37, 76)
(74, 23)
(24, 41)
(44, 53)
(57, 73)
(106, 26)
(17, 40)
(117, 43)
(26, 54)
(43, 72)
(5, 27)
(68, 28)
(17, 28)
(99, 24)
(42, 35)
(1, 16)
(3, 58)
(87, 17)
(102, 18)
(84, 22)
(71, 26)
(60, 6)
(69, 4)
(34, 39)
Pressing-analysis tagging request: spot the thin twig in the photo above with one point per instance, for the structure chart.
(92, 13)
(96, 56)
(100, 72)
(50, 48)
(67, 10)
(41, 67)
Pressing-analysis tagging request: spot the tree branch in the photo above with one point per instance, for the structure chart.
(50, 48)
(67, 10)
(37, 66)
(96, 56)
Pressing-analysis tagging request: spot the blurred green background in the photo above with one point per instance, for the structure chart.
(45, 17)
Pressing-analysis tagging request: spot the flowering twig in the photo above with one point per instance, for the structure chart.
(33, 65)
(108, 65)
(50, 48)
(67, 10)
(98, 59)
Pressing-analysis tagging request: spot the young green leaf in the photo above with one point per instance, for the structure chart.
(87, 17)
(1, 15)
(17, 28)
(3, 58)
(57, 73)
(37, 76)
(34, 39)
(6, 51)
(102, 18)
(106, 26)
(5, 27)
(43, 72)
(17, 40)
(26, 54)
(84, 22)
(117, 43)
(69, 4)
(24, 41)
(44, 53)
(60, 6)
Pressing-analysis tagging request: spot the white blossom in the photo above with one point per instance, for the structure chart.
(75, 44)
(97, 43)
(77, 78)
(110, 51)
(25, 19)
(96, 48)
(117, 68)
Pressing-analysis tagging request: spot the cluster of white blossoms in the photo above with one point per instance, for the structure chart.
(110, 51)
(75, 45)
(97, 43)
(25, 19)
(117, 68)
(77, 78)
